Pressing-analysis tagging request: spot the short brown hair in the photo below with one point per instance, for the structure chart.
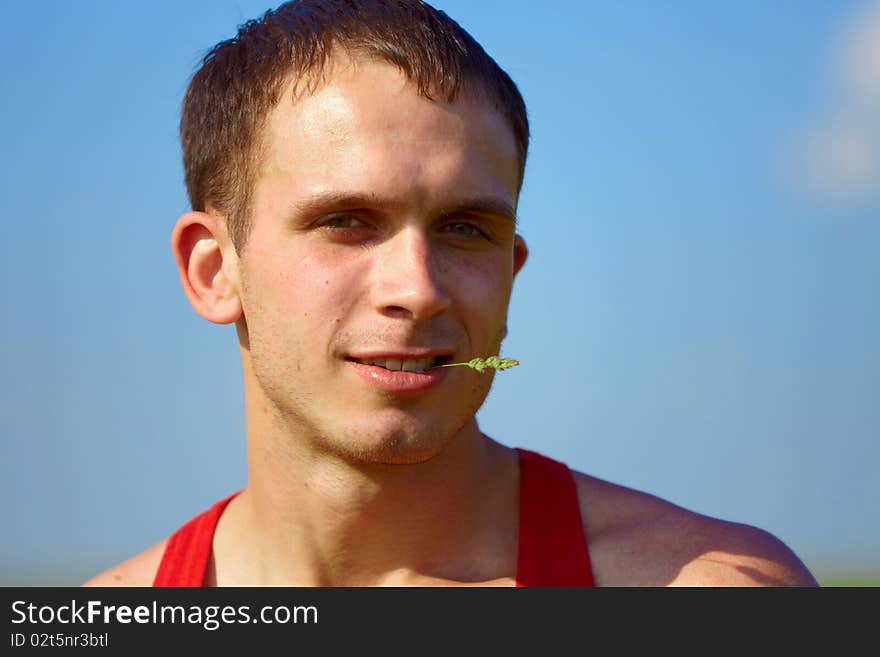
(240, 81)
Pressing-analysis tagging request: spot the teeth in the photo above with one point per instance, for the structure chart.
(397, 365)
(413, 366)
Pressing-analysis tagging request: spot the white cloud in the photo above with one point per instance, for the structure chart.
(841, 155)
(861, 55)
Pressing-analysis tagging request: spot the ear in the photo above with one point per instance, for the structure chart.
(208, 266)
(520, 253)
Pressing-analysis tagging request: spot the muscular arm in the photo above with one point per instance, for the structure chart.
(137, 571)
(740, 555)
(637, 539)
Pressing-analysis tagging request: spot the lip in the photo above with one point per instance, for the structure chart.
(400, 383)
(401, 355)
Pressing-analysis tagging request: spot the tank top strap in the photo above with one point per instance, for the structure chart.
(188, 551)
(552, 545)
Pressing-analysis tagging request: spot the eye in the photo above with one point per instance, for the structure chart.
(346, 228)
(464, 229)
(343, 222)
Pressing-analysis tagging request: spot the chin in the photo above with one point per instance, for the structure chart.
(401, 445)
(400, 448)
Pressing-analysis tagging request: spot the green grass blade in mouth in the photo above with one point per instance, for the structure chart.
(480, 364)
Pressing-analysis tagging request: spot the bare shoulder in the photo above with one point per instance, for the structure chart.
(637, 539)
(140, 570)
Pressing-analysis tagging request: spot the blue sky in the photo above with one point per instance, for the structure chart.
(699, 316)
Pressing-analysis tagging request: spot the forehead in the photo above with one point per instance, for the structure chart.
(366, 125)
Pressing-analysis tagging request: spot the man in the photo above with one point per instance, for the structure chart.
(354, 170)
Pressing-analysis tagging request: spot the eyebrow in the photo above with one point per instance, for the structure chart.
(329, 201)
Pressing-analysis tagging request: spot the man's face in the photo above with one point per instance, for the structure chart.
(379, 235)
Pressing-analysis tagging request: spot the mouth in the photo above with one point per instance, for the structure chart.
(401, 363)
(410, 374)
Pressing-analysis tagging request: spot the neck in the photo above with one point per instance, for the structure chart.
(311, 518)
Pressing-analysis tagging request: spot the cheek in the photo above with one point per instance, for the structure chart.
(315, 297)
(485, 280)
(329, 282)
(482, 292)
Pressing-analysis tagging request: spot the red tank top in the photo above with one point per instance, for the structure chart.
(551, 551)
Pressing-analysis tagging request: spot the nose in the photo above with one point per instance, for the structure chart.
(406, 279)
